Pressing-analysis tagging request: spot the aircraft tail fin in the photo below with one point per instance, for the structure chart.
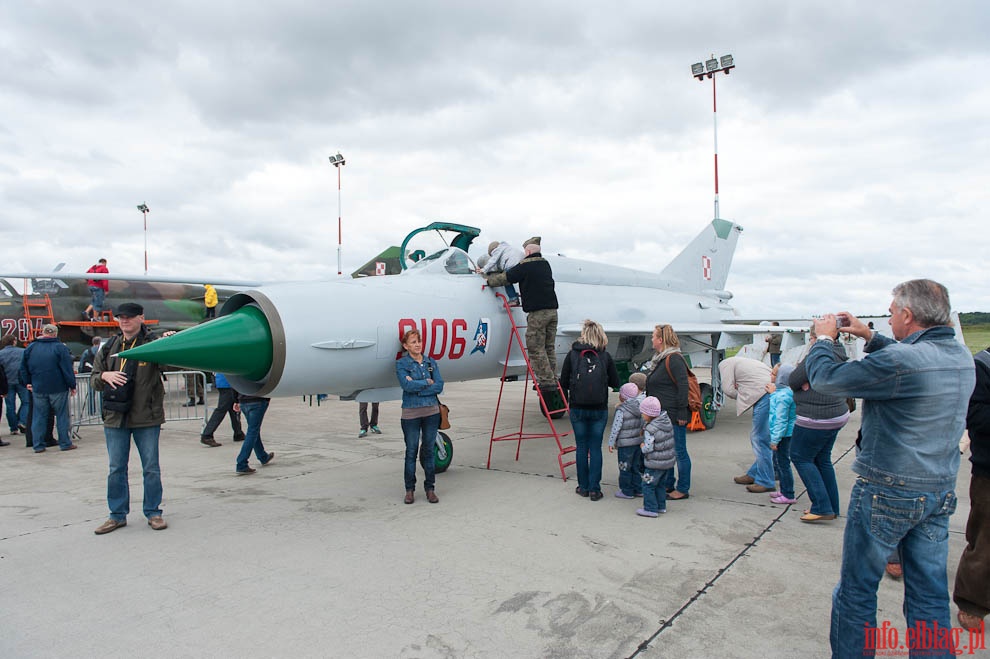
(703, 266)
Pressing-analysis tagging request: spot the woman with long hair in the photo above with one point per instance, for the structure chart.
(667, 380)
(589, 413)
(419, 377)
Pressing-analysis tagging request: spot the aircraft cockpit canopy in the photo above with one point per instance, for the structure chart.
(451, 260)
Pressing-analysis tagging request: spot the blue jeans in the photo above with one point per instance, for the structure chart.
(254, 414)
(683, 481)
(16, 417)
(811, 451)
(421, 438)
(97, 294)
(782, 467)
(630, 469)
(654, 489)
(759, 437)
(879, 519)
(119, 450)
(774, 359)
(44, 404)
(589, 429)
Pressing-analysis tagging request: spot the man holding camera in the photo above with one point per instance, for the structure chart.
(133, 407)
(915, 391)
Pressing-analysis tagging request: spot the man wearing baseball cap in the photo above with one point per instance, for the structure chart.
(46, 370)
(535, 278)
(137, 414)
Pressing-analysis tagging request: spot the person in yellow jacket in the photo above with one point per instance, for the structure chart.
(210, 300)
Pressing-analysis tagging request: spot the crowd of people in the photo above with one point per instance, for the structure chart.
(919, 390)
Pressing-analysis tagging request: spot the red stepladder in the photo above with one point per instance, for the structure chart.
(517, 339)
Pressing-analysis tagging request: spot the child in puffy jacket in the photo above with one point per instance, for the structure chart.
(626, 435)
(658, 456)
(783, 414)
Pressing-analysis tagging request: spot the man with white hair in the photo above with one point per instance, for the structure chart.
(535, 279)
(46, 370)
(915, 390)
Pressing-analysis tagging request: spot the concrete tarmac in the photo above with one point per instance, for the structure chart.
(316, 555)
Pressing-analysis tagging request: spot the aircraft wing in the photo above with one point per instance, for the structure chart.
(231, 283)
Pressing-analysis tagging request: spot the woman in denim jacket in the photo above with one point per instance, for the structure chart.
(419, 377)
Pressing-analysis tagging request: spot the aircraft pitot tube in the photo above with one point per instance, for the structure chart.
(238, 344)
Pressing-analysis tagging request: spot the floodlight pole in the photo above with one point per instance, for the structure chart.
(144, 211)
(710, 68)
(338, 162)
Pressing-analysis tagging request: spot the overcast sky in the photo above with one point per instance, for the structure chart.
(852, 136)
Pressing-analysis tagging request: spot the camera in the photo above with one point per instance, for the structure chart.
(841, 321)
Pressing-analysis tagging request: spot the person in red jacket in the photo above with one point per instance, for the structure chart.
(98, 288)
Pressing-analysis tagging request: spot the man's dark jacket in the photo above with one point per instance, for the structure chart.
(47, 367)
(535, 279)
(978, 417)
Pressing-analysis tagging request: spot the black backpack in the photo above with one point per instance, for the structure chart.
(589, 379)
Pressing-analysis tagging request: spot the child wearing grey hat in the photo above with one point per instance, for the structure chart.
(658, 456)
(626, 434)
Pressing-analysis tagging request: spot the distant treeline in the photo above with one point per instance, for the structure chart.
(975, 318)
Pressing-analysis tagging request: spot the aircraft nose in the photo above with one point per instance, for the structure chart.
(239, 343)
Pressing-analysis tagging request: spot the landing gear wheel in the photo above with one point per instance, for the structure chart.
(707, 412)
(443, 452)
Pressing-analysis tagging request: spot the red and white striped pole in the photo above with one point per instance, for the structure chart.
(710, 67)
(144, 211)
(338, 162)
(715, 118)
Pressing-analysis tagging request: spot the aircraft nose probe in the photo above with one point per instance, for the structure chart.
(239, 343)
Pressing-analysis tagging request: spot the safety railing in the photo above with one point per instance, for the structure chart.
(85, 408)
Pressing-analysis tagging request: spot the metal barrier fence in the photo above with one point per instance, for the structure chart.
(85, 408)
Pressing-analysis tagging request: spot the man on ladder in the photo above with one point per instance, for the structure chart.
(539, 301)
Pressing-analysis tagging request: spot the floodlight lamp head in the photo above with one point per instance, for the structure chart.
(143, 208)
(726, 61)
(337, 160)
(697, 69)
(711, 64)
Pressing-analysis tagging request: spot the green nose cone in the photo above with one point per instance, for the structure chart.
(239, 343)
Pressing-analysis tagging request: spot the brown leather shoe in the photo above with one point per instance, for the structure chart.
(157, 523)
(109, 525)
(431, 496)
(969, 621)
(410, 496)
(70, 447)
(894, 570)
(811, 517)
(759, 489)
(745, 479)
(209, 441)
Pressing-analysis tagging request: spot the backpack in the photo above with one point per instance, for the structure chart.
(694, 389)
(589, 379)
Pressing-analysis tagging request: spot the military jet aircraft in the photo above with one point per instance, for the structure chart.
(25, 299)
(342, 336)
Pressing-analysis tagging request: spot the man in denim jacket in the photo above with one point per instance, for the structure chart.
(915, 391)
